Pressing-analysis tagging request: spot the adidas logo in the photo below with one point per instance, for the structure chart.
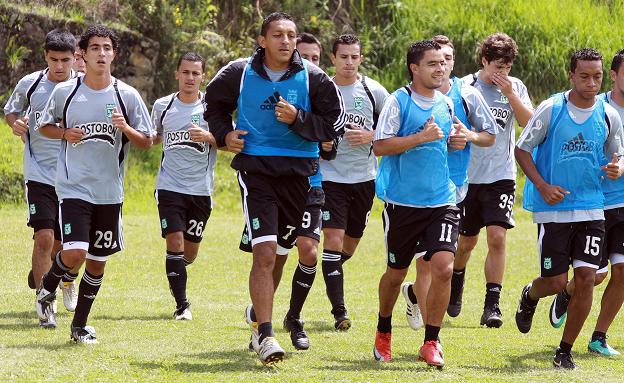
(81, 98)
(578, 144)
(92, 296)
(334, 273)
(173, 109)
(173, 274)
(304, 285)
(495, 289)
(269, 103)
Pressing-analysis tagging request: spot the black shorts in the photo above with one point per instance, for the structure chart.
(487, 205)
(183, 212)
(91, 227)
(43, 207)
(348, 206)
(614, 238)
(563, 244)
(412, 230)
(273, 207)
(311, 220)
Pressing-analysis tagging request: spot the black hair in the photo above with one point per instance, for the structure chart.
(275, 16)
(585, 54)
(194, 57)
(308, 38)
(498, 46)
(98, 31)
(60, 40)
(416, 52)
(618, 59)
(346, 39)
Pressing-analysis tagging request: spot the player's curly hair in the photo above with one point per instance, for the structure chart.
(498, 46)
(346, 39)
(98, 31)
(585, 54)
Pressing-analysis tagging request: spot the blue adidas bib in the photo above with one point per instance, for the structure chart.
(459, 160)
(613, 189)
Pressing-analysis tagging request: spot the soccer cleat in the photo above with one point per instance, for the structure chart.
(457, 291)
(563, 360)
(70, 295)
(431, 353)
(84, 335)
(382, 350)
(44, 303)
(525, 311)
(342, 321)
(31, 280)
(298, 336)
(492, 316)
(254, 345)
(559, 309)
(599, 346)
(49, 322)
(183, 312)
(412, 311)
(270, 351)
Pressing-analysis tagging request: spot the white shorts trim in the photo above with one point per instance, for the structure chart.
(245, 211)
(76, 245)
(576, 264)
(97, 258)
(264, 238)
(604, 270)
(616, 259)
(420, 254)
(281, 250)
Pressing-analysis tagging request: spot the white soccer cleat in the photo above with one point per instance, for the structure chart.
(184, 314)
(44, 303)
(412, 311)
(84, 335)
(70, 295)
(270, 351)
(254, 345)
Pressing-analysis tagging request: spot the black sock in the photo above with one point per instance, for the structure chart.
(492, 294)
(54, 275)
(301, 283)
(528, 298)
(87, 291)
(334, 279)
(411, 295)
(457, 280)
(431, 332)
(187, 262)
(176, 274)
(384, 324)
(265, 329)
(598, 335)
(565, 294)
(345, 257)
(565, 348)
(252, 314)
(69, 277)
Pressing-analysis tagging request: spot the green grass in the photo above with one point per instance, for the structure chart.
(140, 343)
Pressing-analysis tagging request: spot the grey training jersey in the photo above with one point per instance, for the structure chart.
(93, 169)
(535, 133)
(186, 167)
(356, 164)
(497, 162)
(40, 152)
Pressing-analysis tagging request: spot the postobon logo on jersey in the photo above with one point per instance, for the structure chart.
(356, 119)
(97, 131)
(182, 140)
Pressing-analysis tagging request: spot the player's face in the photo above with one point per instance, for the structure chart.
(280, 41)
(347, 60)
(496, 66)
(99, 54)
(60, 64)
(430, 71)
(587, 78)
(310, 52)
(449, 57)
(190, 76)
(618, 80)
(79, 64)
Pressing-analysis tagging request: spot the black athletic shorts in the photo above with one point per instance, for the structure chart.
(183, 212)
(91, 227)
(487, 205)
(273, 207)
(614, 238)
(411, 230)
(563, 244)
(43, 207)
(348, 206)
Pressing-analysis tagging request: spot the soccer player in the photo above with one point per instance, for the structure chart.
(491, 175)
(186, 175)
(349, 180)
(79, 64)
(415, 127)
(571, 135)
(309, 48)
(98, 116)
(285, 107)
(481, 128)
(22, 112)
(613, 296)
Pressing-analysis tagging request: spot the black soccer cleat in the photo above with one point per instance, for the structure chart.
(564, 360)
(342, 321)
(525, 311)
(457, 292)
(492, 316)
(298, 336)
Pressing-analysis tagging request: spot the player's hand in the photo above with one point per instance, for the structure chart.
(357, 136)
(73, 135)
(552, 194)
(503, 83)
(234, 143)
(20, 126)
(613, 168)
(327, 146)
(431, 131)
(200, 135)
(119, 122)
(285, 112)
(459, 135)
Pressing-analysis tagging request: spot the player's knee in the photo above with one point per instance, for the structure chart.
(557, 283)
(442, 272)
(600, 277)
(44, 241)
(584, 278)
(332, 240)
(396, 276)
(189, 257)
(467, 244)
(496, 240)
(175, 241)
(617, 274)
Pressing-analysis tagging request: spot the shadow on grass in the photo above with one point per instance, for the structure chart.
(48, 347)
(212, 362)
(370, 364)
(18, 314)
(155, 317)
(18, 321)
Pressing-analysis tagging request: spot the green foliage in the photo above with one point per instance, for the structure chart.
(11, 178)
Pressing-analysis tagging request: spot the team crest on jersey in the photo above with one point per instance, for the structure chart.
(67, 228)
(195, 119)
(163, 223)
(291, 96)
(547, 263)
(255, 223)
(181, 139)
(98, 132)
(358, 103)
(326, 215)
(33, 209)
(391, 257)
(245, 239)
(109, 110)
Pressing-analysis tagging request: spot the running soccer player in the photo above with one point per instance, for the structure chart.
(22, 111)
(349, 180)
(481, 128)
(491, 175)
(186, 175)
(285, 108)
(415, 127)
(571, 135)
(79, 65)
(309, 48)
(613, 191)
(98, 116)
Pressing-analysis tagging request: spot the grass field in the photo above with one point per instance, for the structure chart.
(139, 342)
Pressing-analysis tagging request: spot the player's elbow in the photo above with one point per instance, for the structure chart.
(380, 148)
